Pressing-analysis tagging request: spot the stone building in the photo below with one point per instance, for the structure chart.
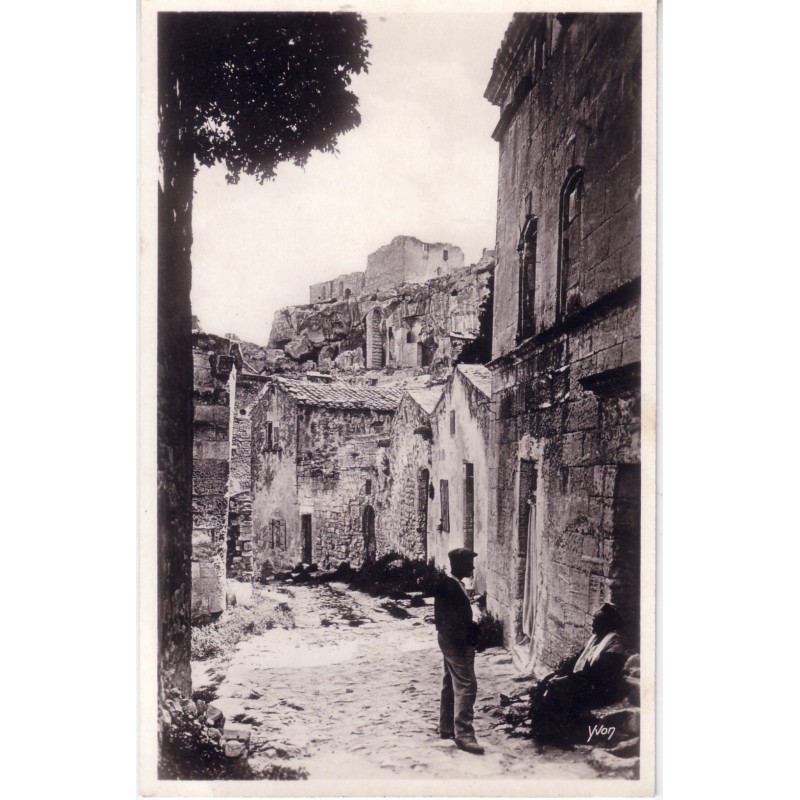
(214, 385)
(403, 491)
(565, 437)
(460, 468)
(408, 260)
(318, 447)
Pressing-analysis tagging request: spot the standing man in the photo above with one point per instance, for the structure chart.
(458, 634)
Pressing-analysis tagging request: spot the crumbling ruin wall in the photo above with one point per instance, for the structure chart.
(214, 384)
(404, 486)
(352, 282)
(408, 260)
(566, 437)
(409, 327)
(461, 423)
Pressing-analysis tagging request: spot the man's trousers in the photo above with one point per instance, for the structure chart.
(459, 689)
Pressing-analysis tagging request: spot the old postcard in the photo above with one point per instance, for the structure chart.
(398, 399)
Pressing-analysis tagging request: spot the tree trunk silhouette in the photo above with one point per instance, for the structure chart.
(175, 379)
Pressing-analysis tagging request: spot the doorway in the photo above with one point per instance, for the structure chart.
(368, 530)
(469, 506)
(526, 550)
(305, 525)
(626, 550)
(423, 479)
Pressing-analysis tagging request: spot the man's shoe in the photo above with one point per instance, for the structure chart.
(470, 746)
(446, 735)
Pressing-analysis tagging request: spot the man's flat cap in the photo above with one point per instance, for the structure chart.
(461, 554)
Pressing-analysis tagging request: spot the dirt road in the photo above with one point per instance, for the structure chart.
(353, 691)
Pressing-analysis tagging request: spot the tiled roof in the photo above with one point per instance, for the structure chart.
(339, 394)
(479, 376)
(426, 399)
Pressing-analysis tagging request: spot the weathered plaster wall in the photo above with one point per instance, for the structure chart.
(450, 454)
(566, 401)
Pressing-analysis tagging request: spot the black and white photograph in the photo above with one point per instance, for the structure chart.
(398, 439)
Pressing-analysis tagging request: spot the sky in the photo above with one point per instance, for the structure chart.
(422, 163)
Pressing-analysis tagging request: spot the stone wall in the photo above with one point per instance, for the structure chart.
(214, 383)
(337, 288)
(565, 440)
(461, 423)
(239, 557)
(403, 492)
(337, 498)
(318, 467)
(563, 123)
(274, 510)
(247, 391)
(408, 260)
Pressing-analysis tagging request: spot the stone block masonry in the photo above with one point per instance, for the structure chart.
(318, 449)
(408, 260)
(338, 288)
(214, 387)
(565, 437)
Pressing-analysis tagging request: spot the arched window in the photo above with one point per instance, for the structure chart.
(569, 242)
(527, 278)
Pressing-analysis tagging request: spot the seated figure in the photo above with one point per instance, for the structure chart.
(590, 679)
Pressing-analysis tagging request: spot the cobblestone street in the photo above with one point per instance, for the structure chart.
(353, 692)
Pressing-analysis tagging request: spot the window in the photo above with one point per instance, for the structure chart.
(444, 499)
(268, 443)
(527, 279)
(368, 486)
(569, 242)
(445, 255)
(277, 533)
(452, 423)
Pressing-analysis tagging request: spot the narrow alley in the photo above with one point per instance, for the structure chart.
(353, 691)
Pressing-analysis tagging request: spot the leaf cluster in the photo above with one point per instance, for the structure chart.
(259, 89)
